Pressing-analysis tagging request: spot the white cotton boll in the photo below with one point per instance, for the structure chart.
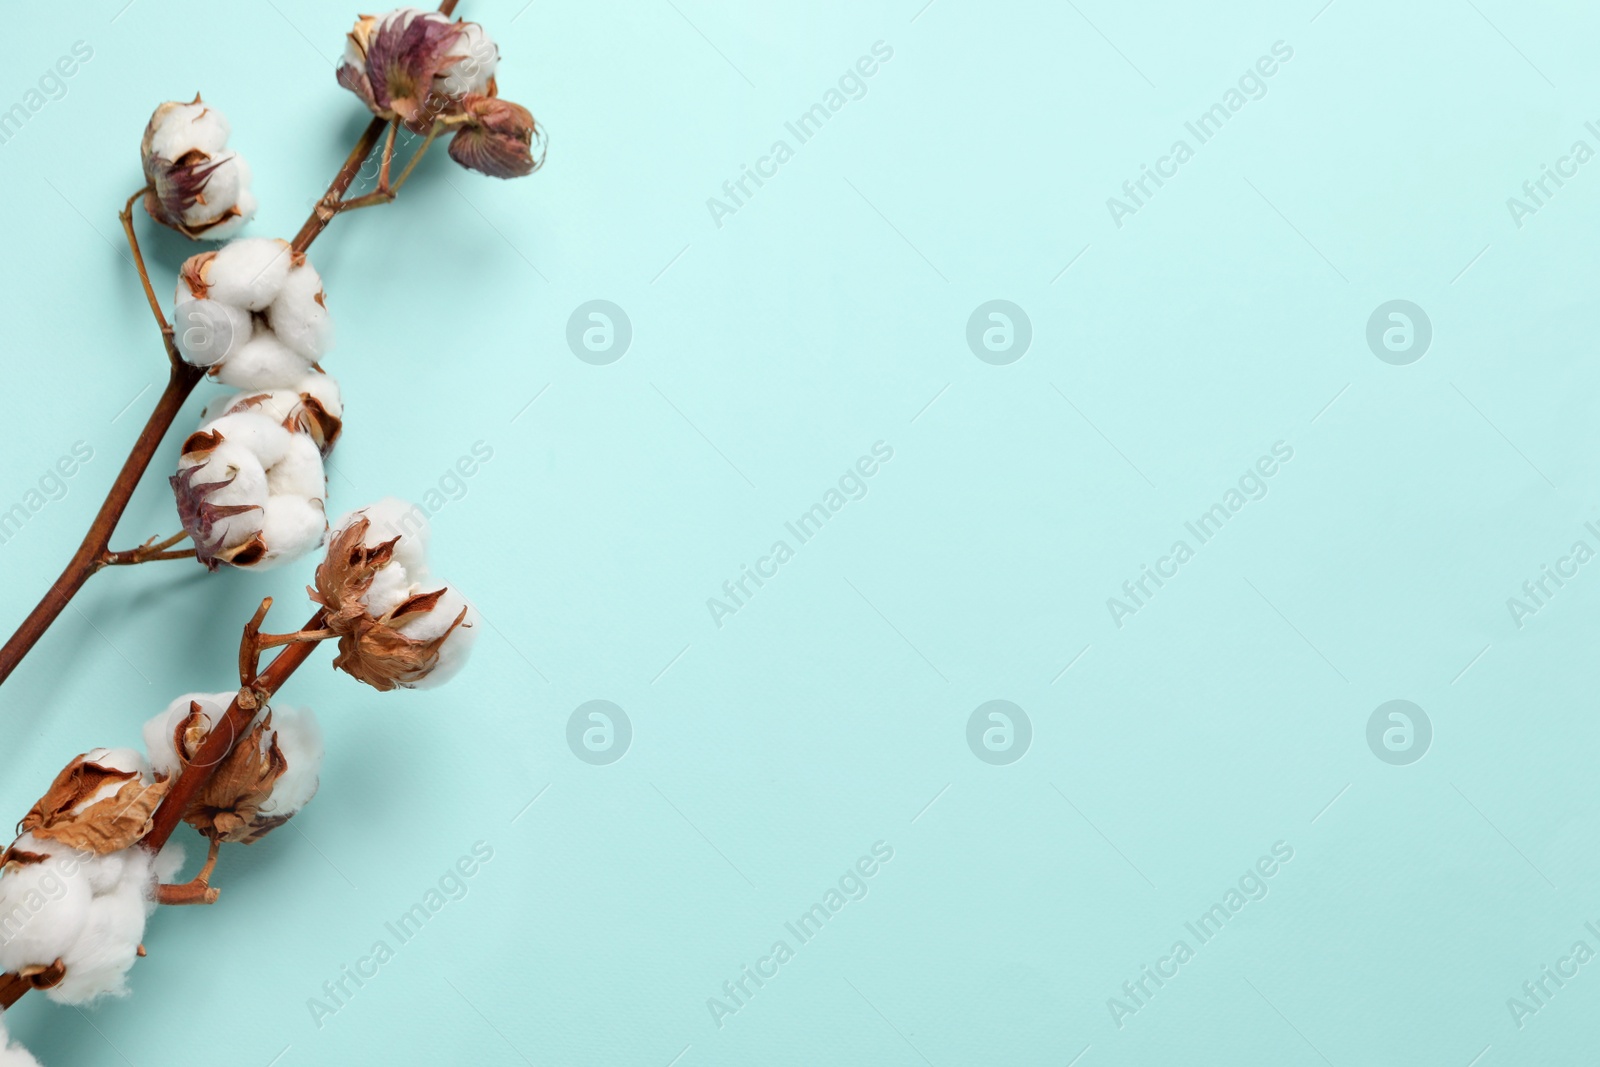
(475, 67)
(262, 362)
(457, 647)
(46, 906)
(299, 316)
(249, 272)
(277, 474)
(207, 331)
(98, 962)
(186, 128)
(291, 526)
(324, 388)
(11, 1053)
(300, 741)
(161, 730)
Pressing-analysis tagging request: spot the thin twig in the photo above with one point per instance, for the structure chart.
(128, 559)
(386, 194)
(150, 551)
(275, 640)
(144, 275)
(250, 644)
(196, 890)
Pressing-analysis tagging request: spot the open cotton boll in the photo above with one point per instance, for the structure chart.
(192, 183)
(398, 626)
(250, 493)
(299, 314)
(11, 1053)
(160, 732)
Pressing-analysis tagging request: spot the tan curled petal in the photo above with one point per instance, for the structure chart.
(107, 825)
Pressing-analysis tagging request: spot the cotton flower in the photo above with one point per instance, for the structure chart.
(11, 1053)
(421, 69)
(270, 774)
(250, 492)
(500, 139)
(414, 65)
(397, 625)
(197, 187)
(253, 313)
(75, 888)
(311, 406)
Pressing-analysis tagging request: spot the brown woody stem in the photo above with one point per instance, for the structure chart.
(328, 206)
(91, 554)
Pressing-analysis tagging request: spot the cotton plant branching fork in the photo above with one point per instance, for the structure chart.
(95, 554)
(395, 626)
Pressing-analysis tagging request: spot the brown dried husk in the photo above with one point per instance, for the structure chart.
(370, 648)
(228, 807)
(108, 825)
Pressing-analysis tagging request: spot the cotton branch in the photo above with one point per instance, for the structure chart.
(94, 553)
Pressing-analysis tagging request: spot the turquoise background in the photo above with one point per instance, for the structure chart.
(830, 712)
